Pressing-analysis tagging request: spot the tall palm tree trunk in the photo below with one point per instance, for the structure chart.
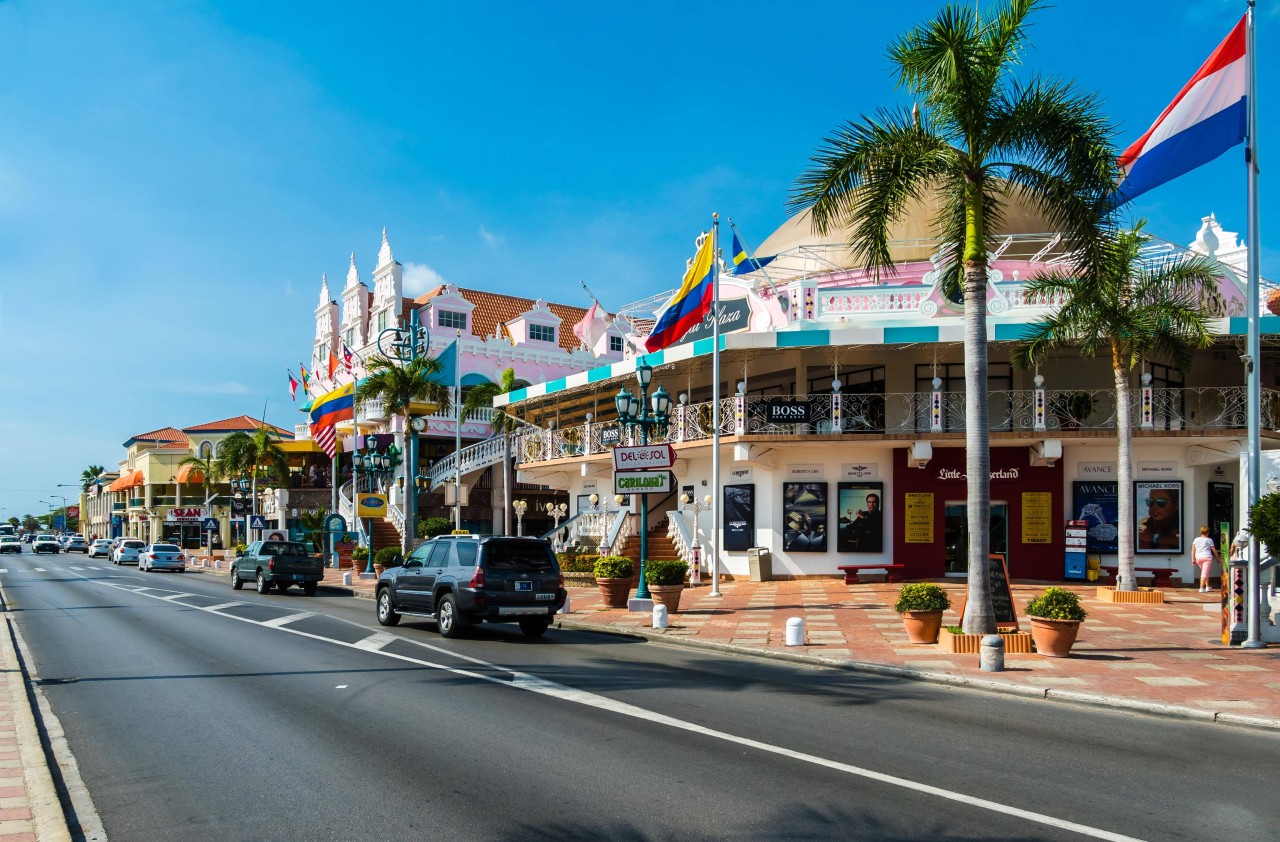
(1126, 580)
(979, 616)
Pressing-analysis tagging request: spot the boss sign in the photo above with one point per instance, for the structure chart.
(649, 457)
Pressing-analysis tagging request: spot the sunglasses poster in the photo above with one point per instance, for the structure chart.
(1158, 509)
(1097, 503)
(804, 517)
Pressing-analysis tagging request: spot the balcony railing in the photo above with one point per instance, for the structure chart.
(1204, 409)
(137, 502)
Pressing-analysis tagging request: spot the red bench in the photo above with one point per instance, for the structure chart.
(1161, 577)
(851, 572)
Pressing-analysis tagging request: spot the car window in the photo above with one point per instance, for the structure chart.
(164, 548)
(133, 545)
(418, 557)
(467, 553)
(439, 555)
(519, 556)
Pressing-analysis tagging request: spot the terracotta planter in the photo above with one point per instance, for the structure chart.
(377, 570)
(668, 595)
(922, 626)
(615, 591)
(1054, 638)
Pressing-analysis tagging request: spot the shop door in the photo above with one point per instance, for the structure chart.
(955, 532)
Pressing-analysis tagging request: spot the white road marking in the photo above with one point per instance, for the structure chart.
(341, 687)
(278, 622)
(176, 596)
(220, 606)
(375, 642)
(38, 570)
(4, 570)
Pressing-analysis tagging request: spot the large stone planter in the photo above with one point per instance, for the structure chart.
(1054, 638)
(922, 626)
(614, 591)
(668, 595)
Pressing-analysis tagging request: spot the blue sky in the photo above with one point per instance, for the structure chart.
(175, 177)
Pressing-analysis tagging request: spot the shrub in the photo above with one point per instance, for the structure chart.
(430, 527)
(613, 567)
(922, 597)
(1264, 520)
(240, 548)
(360, 553)
(1056, 604)
(663, 572)
(576, 563)
(388, 557)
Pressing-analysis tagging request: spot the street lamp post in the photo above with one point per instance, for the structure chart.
(692, 504)
(520, 507)
(376, 463)
(635, 412)
(557, 511)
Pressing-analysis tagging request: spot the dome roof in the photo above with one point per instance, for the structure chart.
(913, 237)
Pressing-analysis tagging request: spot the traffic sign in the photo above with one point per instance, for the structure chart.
(645, 457)
(257, 522)
(642, 482)
(210, 524)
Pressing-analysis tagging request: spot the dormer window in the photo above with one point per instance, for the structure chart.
(449, 318)
(615, 344)
(542, 333)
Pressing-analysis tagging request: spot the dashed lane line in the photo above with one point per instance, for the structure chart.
(534, 684)
(278, 622)
(376, 641)
(216, 608)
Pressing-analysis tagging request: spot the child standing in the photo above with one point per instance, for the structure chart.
(1204, 553)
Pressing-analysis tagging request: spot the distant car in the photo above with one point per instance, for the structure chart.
(128, 550)
(100, 548)
(162, 557)
(76, 544)
(45, 544)
(27, 537)
(278, 563)
(10, 544)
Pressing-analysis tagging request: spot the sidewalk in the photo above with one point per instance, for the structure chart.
(1165, 659)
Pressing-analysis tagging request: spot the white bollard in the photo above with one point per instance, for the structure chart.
(660, 620)
(217, 565)
(795, 631)
(565, 609)
(991, 653)
(346, 580)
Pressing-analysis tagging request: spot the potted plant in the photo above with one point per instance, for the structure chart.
(921, 605)
(1071, 408)
(666, 582)
(358, 557)
(614, 575)
(1055, 621)
(386, 557)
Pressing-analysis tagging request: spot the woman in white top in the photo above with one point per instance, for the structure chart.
(1204, 553)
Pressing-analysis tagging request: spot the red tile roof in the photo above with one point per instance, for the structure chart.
(164, 434)
(240, 423)
(492, 309)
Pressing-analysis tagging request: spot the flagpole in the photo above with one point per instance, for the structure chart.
(1253, 577)
(715, 405)
(783, 301)
(457, 432)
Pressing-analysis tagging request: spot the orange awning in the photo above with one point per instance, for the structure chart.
(132, 479)
(190, 473)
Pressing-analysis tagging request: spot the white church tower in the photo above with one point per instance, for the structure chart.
(388, 286)
(326, 331)
(355, 309)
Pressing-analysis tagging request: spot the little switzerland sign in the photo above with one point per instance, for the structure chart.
(648, 457)
(642, 482)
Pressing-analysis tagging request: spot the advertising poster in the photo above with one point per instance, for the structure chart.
(860, 513)
(804, 517)
(1097, 502)
(1037, 517)
(739, 517)
(1157, 507)
(917, 520)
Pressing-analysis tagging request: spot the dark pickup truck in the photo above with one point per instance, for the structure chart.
(279, 563)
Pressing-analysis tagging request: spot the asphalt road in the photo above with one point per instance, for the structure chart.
(287, 717)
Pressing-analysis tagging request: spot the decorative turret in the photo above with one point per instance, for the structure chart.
(325, 296)
(1213, 241)
(388, 289)
(385, 257)
(326, 325)
(355, 309)
(353, 274)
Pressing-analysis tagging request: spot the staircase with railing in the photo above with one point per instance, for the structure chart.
(678, 534)
(475, 457)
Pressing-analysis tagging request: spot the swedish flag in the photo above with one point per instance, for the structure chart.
(742, 263)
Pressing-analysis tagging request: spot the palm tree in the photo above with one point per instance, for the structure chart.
(312, 526)
(29, 523)
(89, 476)
(977, 139)
(481, 397)
(399, 387)
(14, 522)
(207, 466)
(254, 454)
(1132, 310)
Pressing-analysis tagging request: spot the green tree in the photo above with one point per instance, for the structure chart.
(89, 476)
(1129, 308)
(480, 397)
(399, 387)
(209, 468)
(256, 455)
(977, 139)
(29, 523)
(312, 525)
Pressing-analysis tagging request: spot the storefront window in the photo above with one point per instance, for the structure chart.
(956, 535)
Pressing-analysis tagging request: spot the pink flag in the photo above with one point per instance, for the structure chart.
(592, 327)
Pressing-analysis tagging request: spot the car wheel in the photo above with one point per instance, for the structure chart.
(387, 615)
(449, 621)
(309, 589)
(236, 584)
(264, 587)
(534, 626)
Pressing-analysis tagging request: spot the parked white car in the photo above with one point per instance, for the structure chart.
(76, 544)
(162, 557)
(100, 548)
(128, 550)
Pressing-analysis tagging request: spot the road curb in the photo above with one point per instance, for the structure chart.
(1025, 691)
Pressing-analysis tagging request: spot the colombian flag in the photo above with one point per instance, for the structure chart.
(326, 411)
(690, 304)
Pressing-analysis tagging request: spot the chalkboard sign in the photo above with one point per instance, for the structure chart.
(1001, 594)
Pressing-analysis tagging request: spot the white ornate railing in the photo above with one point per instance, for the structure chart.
(396, 515)
(347, 509)
(678, 532)
(619, 532)
(474, 457)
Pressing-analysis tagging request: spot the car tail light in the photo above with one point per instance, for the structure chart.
(477, 578)
(560, 581)
(271, 564)
(181, 557)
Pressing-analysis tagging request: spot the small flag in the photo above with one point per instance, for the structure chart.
(333, 364)
(594, 325)
(742, 262)
(1207, 117)
(689, 305)
(306, 378)
(448, 359)
(346, 356)
(293, 387)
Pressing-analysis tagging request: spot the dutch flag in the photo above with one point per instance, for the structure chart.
(1205, 119)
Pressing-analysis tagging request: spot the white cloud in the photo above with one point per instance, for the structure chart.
(419, 277)
(491, 239)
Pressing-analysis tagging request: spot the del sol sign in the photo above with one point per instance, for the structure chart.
(647, 457)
